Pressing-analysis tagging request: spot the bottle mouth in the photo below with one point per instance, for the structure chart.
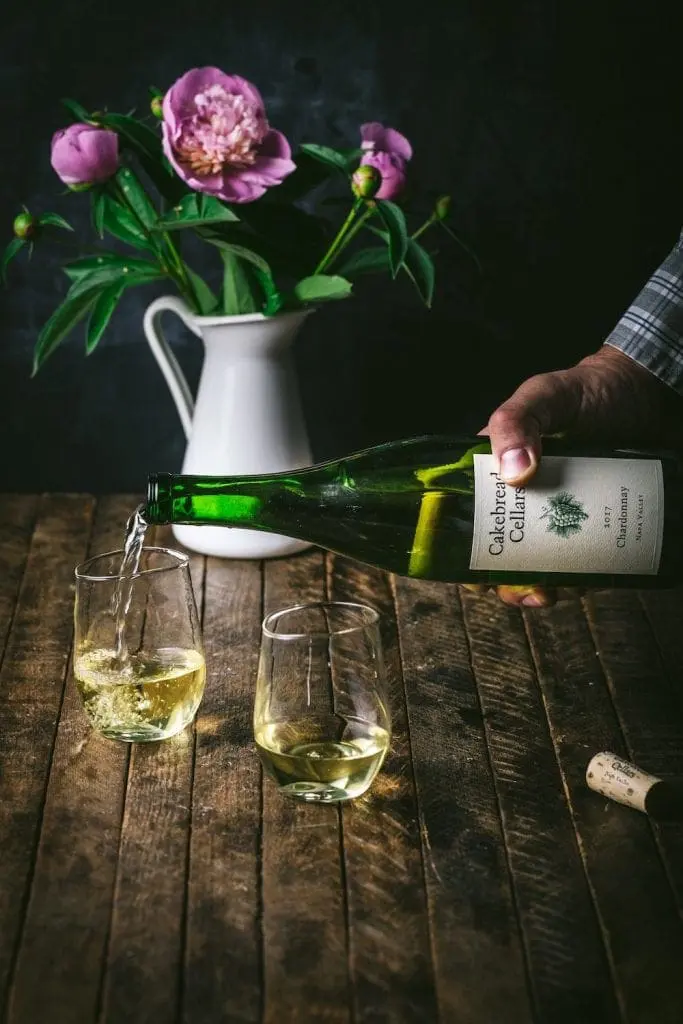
(152, 510)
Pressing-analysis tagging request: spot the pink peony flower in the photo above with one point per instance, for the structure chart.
(392, 170)
(388, 152)
(217, 137)
(83, 154)
(378, 139)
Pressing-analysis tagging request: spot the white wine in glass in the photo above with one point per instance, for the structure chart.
(321, 721)
(138, 664)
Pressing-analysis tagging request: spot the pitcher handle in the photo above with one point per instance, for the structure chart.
(162, 352)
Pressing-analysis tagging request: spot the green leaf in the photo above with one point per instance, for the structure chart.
(97, 211)
(274, 300)
(420, 267)
(418, 264)
(205, 300)
(365, 261)
(61, 323)
(238, 286)
(195, 210)
(352, 157)
(136, 135)
(260, 267)
(10, 252)
(137, 197)
(145, 143)
(83, 294)
(122, 224)
(395, 223)
(241, 251)
(79, 112)
(101, 312)
(55, 221)
(112, 265)
(326, 155)
(322, 287)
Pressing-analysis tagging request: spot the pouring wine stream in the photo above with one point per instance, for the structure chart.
(136, 528)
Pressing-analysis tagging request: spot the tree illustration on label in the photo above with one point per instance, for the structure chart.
(565, 514)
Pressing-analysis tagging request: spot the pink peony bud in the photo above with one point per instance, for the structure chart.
(366, 182)
(83, 154)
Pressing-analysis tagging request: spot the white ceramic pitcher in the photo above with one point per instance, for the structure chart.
(247, 418)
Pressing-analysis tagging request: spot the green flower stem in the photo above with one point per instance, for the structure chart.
(175, 269)
(427, 224)
(179, 264)
(353, 231)
(340, 239)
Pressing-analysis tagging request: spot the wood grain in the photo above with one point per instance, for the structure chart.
(646, 695)
(664, 612)
(31, 687)
(304, 927)
(17, 519)
(143, 977)
(479, 880)
(480, 973)
(70, 906)
(390, 954)
(222, 972)
(628, 885)
(565, 955)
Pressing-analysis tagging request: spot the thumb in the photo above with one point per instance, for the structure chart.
(544, 404)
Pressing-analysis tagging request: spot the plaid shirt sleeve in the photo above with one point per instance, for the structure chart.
(651, 329)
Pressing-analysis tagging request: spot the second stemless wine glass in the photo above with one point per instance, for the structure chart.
(138, 653)
(321, 720)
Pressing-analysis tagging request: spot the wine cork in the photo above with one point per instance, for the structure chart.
(609, 774)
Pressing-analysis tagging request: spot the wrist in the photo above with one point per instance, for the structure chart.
(631, 401)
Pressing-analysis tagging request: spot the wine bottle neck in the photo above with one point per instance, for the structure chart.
(186, 499)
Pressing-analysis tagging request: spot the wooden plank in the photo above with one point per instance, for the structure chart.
(71, 896)
(31, 688)
(647, 700)
(565, 954)
(17, 519)
(664, 612)
(480, 973)
(389, 940)
(222, 972)
(146, 949)
(304, 929)
(627, 881)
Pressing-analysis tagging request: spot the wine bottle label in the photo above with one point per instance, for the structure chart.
(619, 780)
(583, 515)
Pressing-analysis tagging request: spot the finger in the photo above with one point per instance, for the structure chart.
(544, 404)
(530, 597)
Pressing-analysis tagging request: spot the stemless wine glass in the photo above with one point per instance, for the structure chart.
(321, 719)
(138, 654)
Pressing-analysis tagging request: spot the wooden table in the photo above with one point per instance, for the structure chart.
(479, 882)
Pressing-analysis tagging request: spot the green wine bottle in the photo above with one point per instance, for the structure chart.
(436, 508)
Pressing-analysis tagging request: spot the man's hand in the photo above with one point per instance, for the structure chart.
(607, 397)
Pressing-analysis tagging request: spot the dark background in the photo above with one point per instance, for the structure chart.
(556, 127)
